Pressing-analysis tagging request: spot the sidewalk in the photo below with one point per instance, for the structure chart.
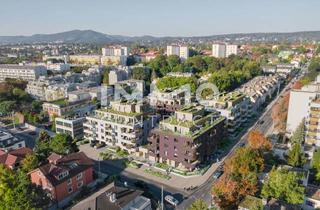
(175, 181)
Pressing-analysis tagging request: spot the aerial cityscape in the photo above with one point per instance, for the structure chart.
(159, 105)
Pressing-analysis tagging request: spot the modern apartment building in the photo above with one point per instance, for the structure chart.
(168, 101)
(299, 104)
(115, 51)
(63, 107)
(24, 72)
(124, 124)
(70, 126)
(63, 176)
(219, 50)
(187, 138)
(181, 51)
(9, 142)
(312, 136)
(235, 107)
(231, 49)
(222, 50)
(85, 59)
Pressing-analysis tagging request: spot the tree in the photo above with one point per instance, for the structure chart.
(316, 163)
(295, 156)
(299, 134)
(198, 204)
(257, 141)
(17, 192)
(105, 76)
(63, 144)
(240, 177)
(42, 146)
(283, 185)
(29, 163)
(6, 107)
(173, 61)
(280, 113)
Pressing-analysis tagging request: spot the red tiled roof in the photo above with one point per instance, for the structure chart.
(73, 163)
(13, 157)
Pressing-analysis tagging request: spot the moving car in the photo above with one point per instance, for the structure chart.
(170, 199)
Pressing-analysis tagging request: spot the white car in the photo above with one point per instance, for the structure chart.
(170, 199)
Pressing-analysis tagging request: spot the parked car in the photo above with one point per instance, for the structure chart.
(217, 174)
(170, 199)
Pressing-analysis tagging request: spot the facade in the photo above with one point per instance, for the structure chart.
(299, 105)
(219, 50)
(9, 142)
(115, 51)
(13, 158)
(115, 198)
(261, 88)
(231, 49)
(64, 175)
(235, 107)
(70, 126)
(119, 74)
(312, 136)
(181, 51)
(187, 138)
(124, 124)
(24, 72)
(85, 59)
(64, 107)
(60, 67)
(37, 88)
(114, 55)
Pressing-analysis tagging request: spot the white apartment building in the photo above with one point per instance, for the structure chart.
(115, 51)
(219, 50)
(24, 72)
(231, 49)
(70, 126)
(125, 124)
(181, 51)
(299, 104)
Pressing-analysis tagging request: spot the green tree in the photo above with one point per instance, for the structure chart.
(198, 204)
(299, 134)
(42, 146)
(105, 76)
(316, 163)
(173, 61)
(17, 192)
(30, 162)
(283, 185)
(295, 156)
(63, 144)
(6, 107)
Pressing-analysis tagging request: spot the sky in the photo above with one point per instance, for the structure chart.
(158, 17)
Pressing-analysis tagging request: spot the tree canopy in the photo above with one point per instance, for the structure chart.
(296, 156)
(284, 185)
(198, 204)
(17, 192)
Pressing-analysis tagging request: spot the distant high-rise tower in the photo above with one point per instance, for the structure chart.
(181, 51)
(219, 50)
(231, 49)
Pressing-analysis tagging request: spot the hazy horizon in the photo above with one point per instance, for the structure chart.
(158, 18)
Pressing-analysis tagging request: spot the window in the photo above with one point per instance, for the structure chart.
(80, 184)
(79, 176)
(70, 190)
(309, 203)
(166, 153)
(175, 140)
(69, 181)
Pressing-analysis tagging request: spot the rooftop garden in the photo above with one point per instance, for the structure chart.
(129, 114)
(171, 82)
